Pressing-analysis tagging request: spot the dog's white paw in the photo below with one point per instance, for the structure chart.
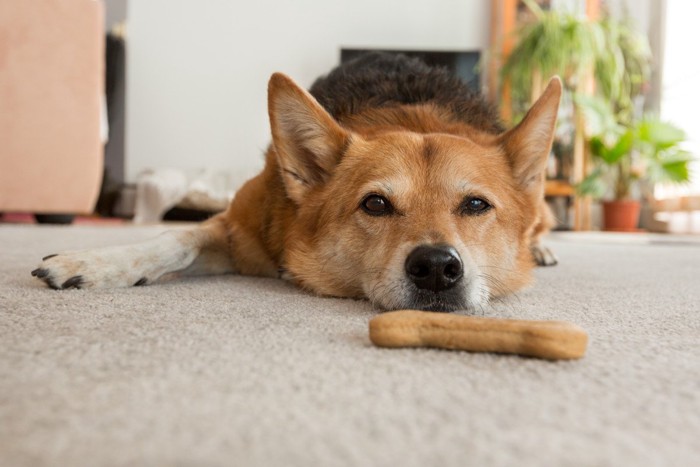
(543, 256)
(89, 269)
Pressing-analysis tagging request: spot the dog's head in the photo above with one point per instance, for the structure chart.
(433, 221)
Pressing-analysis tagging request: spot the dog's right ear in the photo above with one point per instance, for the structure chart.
(528, 144)
(308, 141)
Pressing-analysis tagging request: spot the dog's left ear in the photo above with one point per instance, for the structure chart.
(529, 143)
(307, 140)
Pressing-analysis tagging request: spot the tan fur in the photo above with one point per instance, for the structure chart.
(327, 246)
(300, 218)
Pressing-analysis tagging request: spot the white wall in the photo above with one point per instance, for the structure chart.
(681, 94)
(198, 69)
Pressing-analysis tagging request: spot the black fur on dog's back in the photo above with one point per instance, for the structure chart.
(384, 80)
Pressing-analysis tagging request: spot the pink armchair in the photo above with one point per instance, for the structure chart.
(51, 86)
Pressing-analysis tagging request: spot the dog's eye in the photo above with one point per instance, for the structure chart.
(473, 206)
(376, 205)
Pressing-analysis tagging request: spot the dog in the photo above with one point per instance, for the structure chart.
(388, 180)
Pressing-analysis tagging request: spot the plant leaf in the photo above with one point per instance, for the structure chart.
(672, 166)
(593, 184)
(622, 147)
(676, 172)
(661, 135)
(599, 116)
(597, 147)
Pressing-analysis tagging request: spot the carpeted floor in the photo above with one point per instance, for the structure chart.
(252, 372)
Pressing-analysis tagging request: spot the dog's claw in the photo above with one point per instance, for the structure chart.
(40, 273)
(48, 257)
(140, 282)
(45, 275)
(543, 256)
(74, 282)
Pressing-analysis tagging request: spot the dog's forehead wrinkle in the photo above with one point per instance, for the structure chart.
(469, 187)
(386, 187)
(398, 185)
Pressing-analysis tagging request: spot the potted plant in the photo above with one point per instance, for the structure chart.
(647, 150)
(605, 65)
(604, 53)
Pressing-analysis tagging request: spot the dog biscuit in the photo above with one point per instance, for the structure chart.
(551, 340)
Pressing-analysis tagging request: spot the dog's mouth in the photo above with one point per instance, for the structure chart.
(470, 296)
(441, 302)
(407, 297)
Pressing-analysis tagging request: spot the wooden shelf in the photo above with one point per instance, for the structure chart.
(505, 21)
(558, 188)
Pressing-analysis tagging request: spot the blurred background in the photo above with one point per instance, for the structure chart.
(155, 109)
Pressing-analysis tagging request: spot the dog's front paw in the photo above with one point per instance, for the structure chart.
(84, 269)
(543, 256)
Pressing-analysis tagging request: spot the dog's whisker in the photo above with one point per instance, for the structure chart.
(505, 296)
(498, 287)
(496, 267)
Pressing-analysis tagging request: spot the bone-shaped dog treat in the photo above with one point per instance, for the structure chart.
(552, 340)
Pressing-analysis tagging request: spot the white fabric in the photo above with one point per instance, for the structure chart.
(156, 192)
(159, 190)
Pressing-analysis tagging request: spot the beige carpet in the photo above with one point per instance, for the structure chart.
(237, 371)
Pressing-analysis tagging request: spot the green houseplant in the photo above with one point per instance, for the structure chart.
(573, 47)
(644, 150)
(609, 59)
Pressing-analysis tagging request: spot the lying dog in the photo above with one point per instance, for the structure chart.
(389, 180)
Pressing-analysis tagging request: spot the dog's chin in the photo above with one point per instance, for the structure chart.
(438, 307)
(430, 301)
(469, 296)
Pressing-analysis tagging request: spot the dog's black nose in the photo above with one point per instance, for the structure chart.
(434, 267)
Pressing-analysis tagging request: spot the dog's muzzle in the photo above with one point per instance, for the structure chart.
(434, 268)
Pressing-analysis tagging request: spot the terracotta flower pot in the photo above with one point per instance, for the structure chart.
(621, 215)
